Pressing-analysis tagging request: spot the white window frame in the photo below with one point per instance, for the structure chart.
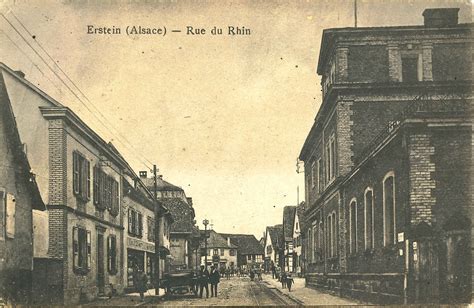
(389, 174)
(372, 230)
(353, 200)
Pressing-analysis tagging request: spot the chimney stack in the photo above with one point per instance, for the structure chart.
(20, 73)
(228, 241)
(438, 18)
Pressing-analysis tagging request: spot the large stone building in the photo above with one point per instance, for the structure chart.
(19, 198)
(388, 163)
(81, 250)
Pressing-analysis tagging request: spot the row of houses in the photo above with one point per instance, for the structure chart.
(388, 167)
(76, 221)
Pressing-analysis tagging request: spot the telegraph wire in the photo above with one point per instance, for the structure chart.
(77, 97)
(73, 83)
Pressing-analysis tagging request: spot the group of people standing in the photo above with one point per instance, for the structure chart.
(285, 278)
(205, 278)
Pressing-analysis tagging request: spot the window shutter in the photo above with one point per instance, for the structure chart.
(109, 253)
(130, 221)
(75, 248)
(11, 212)
(108, 192)
(140, 224)
(2, 214)
(75, 179)
(89, 250)
(96, 185)
(88, 181)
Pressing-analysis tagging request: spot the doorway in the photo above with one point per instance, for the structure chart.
(100, 264)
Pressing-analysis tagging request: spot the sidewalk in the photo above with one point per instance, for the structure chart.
(130, 299)
(305, 295)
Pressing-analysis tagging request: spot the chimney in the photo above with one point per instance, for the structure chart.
(20, 73)
(437, 18)
(190, 201)
(228, 241)
(142, 174)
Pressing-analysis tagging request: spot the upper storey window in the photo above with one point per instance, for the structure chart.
(411, 68)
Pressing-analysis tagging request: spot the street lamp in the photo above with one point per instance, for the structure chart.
(205, 222)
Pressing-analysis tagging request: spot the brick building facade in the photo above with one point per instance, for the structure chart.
(388, 163)
(82, 251)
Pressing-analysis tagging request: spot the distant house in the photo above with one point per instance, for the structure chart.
(220, 250)
(184, 237)
(289, 214)
(19, 197)
(249, 250)
(273, 244)
(298, 239)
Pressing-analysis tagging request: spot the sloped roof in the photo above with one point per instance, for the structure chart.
(300, 209)
(182, 214)
(276, 235)
(19, 155)
(161, 185)
(216, 240)
(247, 244)
(288, 221)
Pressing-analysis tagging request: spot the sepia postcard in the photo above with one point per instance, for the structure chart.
(236, 152)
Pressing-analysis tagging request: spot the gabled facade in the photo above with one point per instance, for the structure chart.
(274, 245)
(249, 250)
(289, 213)
(19, 200)
(388, 154)
(220, 250)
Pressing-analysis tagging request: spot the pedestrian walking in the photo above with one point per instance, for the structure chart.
(203, 281)
(283, 279)
(289, 282)
(273, 270)
(214, 279)
(140, 281)
(227, 273)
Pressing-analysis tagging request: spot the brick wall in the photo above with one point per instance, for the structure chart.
(57, 163)
(421, 179)
(344, 136)
(368, 64)
(452, 62)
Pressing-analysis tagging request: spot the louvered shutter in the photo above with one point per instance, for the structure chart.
(89, 250)
(88, 179)
(75, 166)
(75, 248)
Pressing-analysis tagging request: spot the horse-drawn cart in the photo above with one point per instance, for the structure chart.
(181, 282)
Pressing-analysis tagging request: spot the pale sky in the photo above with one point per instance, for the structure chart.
(224, 117)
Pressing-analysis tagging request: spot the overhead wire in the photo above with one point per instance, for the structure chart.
(71, 81)
(141, 157)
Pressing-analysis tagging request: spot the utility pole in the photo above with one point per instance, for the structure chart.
(205, 222)
(157, 234)
(355, 13)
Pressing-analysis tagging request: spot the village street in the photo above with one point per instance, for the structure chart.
(235, 292)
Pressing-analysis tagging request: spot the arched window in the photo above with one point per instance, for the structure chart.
(353, 226)
(389, 223)
(334, 234)
(369, 218)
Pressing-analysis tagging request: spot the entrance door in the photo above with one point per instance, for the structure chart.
(425, 267)
(100, 263)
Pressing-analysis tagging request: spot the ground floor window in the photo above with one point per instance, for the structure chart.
(112, 254)
(81, 250)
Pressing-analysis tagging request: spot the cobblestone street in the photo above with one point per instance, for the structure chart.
(238, 291)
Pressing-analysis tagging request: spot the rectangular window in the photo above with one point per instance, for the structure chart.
(112, 254)
(313, 174)
(232, 252)
(140, 225)
(81, 176)
(81, 250)
(222, 252)
(409, 69)
(216, 252)
(249, 257)
(320, 175)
